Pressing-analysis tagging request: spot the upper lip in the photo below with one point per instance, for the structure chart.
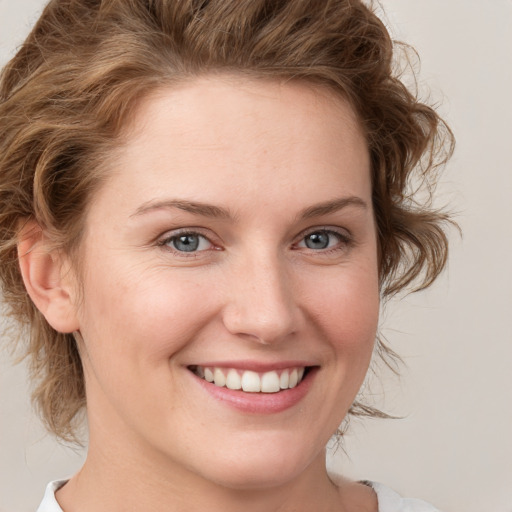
(256, 366)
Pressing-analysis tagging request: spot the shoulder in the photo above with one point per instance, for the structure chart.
(388, 500)
(391, 501)
(49, 503)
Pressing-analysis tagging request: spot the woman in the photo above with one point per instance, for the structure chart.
(203, 204)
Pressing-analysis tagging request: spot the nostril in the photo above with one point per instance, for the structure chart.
(259, 303)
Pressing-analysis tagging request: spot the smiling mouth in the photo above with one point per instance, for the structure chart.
(250, 381)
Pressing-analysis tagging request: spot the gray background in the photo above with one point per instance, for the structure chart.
(453, 446)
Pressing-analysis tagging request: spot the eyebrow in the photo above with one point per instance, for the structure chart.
(217, 212)
(333, 206)
(198, 208)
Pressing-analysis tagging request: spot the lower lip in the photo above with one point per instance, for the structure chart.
(260, 403)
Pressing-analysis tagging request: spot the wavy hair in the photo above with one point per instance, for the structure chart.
(77, 79)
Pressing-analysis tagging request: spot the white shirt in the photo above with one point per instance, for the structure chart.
(389, 500)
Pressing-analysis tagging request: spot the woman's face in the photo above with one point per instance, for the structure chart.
(234, 240)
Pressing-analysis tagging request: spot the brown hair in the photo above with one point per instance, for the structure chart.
(77, 78)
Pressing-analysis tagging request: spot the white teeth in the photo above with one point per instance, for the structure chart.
(252, 382)
(233, 380)
(219, 378)
(270, 382)
(284, 380)
(294, 377)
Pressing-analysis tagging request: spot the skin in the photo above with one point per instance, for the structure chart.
(265, 153)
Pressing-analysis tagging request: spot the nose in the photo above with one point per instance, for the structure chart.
(261, 303)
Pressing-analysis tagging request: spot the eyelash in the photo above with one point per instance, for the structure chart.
(167, 242)
(344, 241)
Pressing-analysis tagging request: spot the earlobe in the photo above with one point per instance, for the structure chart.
(47, 278)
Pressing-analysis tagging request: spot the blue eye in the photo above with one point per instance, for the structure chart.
(318, 240)
(321, 240)
(188, 242)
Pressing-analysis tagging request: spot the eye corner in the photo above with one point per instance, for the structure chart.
(186, 242)
(324, 240)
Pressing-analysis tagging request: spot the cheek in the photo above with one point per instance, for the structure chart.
(347, 307)
(131, 337)
(143, 316)
(347, 314)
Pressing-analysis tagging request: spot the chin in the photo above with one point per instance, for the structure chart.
(262, 464)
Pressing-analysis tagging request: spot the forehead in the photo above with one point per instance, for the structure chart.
(218, 138)
(222, 102)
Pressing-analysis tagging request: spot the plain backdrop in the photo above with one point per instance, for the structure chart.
(453, 445)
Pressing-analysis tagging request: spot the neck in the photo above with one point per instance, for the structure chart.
(125, 472)
(111, 482)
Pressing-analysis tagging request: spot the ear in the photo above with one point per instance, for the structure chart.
(48, 278)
